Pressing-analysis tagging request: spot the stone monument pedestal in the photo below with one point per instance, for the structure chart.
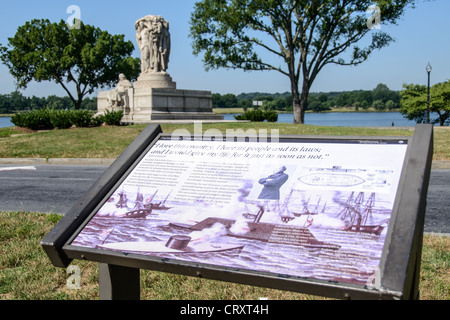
(155, 80)
(155, 97)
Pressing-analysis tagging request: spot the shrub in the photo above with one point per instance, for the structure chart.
(258, 115)
(61, 119)
(252, 115)
(44, 119)
(35, 120)
(82, 118)
(97, 121)
(18, 119)
(112, 118)
(271, 116)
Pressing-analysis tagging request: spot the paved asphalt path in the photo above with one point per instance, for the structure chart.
(45, 188)
(55, 188)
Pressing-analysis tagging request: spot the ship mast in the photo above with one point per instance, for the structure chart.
(354, 212)
(348, 209)
(368, 208)
(357, 210)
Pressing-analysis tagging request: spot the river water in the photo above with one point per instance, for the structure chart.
(338, 119)
(347, 119)
(5, 122)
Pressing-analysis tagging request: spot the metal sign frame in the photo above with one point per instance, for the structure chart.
(399, 265)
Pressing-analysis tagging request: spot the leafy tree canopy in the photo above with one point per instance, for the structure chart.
(305, 35)
(86, 57)
(414, 102)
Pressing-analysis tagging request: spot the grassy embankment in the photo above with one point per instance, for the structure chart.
(109, 142)
(26, 273)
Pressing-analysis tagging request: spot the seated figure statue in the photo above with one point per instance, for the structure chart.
(118, 98)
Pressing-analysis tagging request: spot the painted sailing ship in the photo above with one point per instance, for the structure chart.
(123, 200)
(287, 212)
(160, 205)
(141, 208)
(358, 214)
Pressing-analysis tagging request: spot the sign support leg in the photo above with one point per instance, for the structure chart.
(118, 283)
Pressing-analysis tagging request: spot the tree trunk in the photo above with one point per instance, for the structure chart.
(80, 98)
(302, 100)
(299, 110)
(303, 105)
(299, 100)
(78, 103)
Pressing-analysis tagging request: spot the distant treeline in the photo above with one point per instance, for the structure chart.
(380, 98)
(15, 102)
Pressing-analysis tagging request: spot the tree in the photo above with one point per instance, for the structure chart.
(366, 98)
(17, 101)
(230, 100)
(345, 99)
(36, 103)
(86, 57)
(245, 104)
(390, 105)
(307, 35)
(441, 102)
(217, 100)
(414, 102)
(383, 93)
(365, 105)
(379, 105)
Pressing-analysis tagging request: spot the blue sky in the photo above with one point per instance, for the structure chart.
(422, 36)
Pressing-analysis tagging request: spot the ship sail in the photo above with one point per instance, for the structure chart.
(358, 213)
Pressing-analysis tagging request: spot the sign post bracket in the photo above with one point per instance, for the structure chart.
(118, 283)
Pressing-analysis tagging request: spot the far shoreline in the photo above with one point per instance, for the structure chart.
(334, 110)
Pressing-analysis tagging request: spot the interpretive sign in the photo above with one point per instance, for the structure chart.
(299, 213)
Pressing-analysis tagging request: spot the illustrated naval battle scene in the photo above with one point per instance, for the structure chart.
(291, 217)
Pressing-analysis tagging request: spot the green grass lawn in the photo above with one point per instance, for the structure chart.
(110, 142)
